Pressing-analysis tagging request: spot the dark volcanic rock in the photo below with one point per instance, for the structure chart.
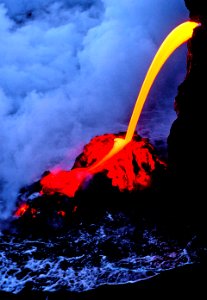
(198, 9)
(186, 138)
(186, 150)
(129, 181)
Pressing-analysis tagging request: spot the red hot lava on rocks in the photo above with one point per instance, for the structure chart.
(128, 160)
(130, 169)
(117, 158)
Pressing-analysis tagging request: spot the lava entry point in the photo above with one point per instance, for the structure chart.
(108, 203)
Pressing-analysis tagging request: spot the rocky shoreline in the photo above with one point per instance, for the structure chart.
(186, 279)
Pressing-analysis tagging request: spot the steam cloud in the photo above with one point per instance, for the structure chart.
(72, 69)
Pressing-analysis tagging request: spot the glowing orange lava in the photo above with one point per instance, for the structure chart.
(177, 37)
(21, 210)
(64, 182)
(68, 182)
(129, 169)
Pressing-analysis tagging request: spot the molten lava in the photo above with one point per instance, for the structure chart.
(177, 37)
(128, 161)
(129, 169)
(68, 182)
(64, 182)
(21, 210)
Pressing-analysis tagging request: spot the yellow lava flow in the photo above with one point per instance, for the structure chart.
(176, 37)
(74, 178)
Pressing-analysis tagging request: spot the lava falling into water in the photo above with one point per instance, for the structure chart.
(176, 38)
(68, 182)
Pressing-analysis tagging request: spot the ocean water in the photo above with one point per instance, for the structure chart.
(70, 70)
(112, 251)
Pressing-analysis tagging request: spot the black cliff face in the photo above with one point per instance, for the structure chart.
(186, 140)
(197, 9)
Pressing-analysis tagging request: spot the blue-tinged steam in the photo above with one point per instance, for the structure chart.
(70, 70)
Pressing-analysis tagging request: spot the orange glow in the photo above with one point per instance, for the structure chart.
(177, 37)
(68, 182)
(129, 169)
(64, 182)
(119, 144)
(21, 210)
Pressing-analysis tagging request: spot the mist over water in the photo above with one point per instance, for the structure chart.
(72, 69)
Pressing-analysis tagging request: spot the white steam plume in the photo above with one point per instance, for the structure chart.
(70, 70)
